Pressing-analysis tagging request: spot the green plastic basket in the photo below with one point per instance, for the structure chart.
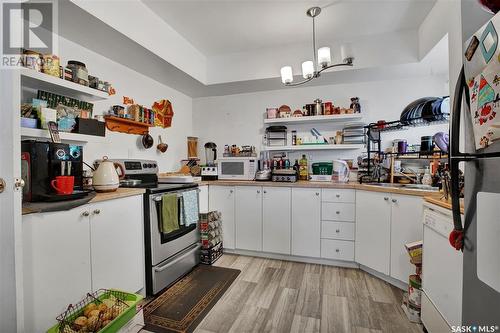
(121, 320)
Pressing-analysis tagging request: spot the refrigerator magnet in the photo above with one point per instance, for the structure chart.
(489, 42)
(471, 49)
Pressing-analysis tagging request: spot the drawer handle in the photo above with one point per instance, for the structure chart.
(258, 191)
(337, 231)
(386, 198)
(394, 200)
(338, 195)
(265, 191)
(337, 212)
(337, 250)
(317, 193)
(85, 214)
(230, 191)
(97, 211)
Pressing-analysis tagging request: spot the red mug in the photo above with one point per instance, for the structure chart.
(63, 184)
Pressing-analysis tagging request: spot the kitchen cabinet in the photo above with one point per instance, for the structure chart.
(406, 227)
(67, 254)
(117, 242)
(373, 230)
(56, 265)
(248, 217)
(306, 222)
(203, 198)
(276, 206)
(221, 198)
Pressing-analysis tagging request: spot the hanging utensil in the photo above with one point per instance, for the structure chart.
(147, 140)
(161, 146)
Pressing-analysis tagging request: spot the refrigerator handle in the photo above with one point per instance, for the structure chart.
(457, 234)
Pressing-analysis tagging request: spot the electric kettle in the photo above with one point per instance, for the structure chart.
(106, 178)
(340, 172)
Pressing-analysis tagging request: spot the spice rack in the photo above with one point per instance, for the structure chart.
(123, 125)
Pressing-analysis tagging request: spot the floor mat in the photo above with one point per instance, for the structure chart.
(182, 307)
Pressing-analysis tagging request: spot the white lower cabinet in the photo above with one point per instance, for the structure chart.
(248, 217)
(203, 198)
(406, 227)
(306, 222)
(276, 206)
(221, 198)
(384, 224)
(116, 235)
(373, 230)
(69, 253)
(56, 265)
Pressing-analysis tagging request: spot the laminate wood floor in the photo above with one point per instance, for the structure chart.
(282, 296)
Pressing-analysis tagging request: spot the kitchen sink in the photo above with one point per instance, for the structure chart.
(420, 187)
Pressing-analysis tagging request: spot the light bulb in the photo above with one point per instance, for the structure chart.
(324, 58)
(346, 52)
(286, 74)
(307, 69)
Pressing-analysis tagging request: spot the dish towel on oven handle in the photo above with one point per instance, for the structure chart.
(169, 213)
(190, 208)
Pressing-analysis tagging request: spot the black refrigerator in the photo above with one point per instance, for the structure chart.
(475, 149)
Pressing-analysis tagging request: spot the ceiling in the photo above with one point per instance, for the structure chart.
(222, 27)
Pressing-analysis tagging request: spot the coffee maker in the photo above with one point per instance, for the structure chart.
(209, 171)
(41, 162)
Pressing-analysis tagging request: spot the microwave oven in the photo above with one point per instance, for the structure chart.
(237, 168)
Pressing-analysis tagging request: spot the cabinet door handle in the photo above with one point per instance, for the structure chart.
(394, 200)
(337, 231)
(97, 211)
(258, 191)
(338, 195)
(337, 212)
(386, 198)
(265, 191)
(317, 193)
(230, 191)
(337, 250)
(85, 214)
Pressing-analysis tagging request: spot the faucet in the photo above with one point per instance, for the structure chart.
(417, 175)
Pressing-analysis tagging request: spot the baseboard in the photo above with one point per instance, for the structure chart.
(320, 261)
(388, 279)
(307, 260)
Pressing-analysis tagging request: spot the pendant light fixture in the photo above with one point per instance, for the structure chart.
(322, 59)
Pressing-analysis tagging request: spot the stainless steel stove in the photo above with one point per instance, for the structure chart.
(169, 256)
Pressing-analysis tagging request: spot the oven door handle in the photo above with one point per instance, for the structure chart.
(176, 260)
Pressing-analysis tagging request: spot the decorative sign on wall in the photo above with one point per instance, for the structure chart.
(163, 113)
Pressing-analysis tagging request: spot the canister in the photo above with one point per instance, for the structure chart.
(426, 143)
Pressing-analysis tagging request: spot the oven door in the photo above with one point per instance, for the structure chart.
(164, 246)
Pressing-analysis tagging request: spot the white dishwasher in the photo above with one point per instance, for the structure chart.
(441, 274)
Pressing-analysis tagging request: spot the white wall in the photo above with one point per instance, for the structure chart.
(238, 119)
(144, 91)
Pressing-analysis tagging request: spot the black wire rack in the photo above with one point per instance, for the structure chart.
(374, 130)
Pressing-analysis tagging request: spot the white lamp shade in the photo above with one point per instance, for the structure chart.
(286, 74)
(307, 69)
(346, 52)
(324, 58)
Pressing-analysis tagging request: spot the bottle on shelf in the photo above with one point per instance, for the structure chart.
(427, 179)
(294, 138)
(296, 166)
(303, 169)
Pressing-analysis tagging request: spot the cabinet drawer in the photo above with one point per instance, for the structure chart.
(338, 195)
(334, 211)
(337, 249)
(337, 230)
